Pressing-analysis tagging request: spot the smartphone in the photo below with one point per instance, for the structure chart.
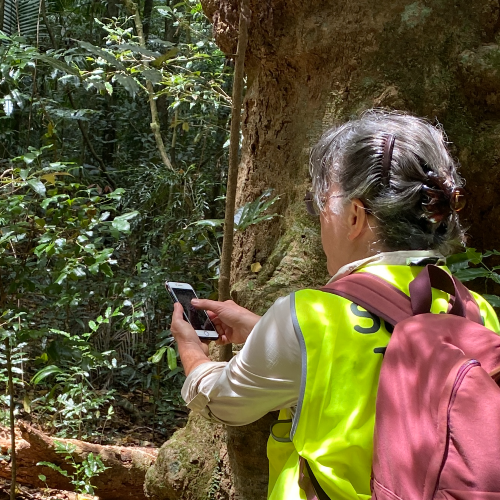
(183, 293)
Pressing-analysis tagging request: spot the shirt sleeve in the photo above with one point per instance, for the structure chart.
(264, 376)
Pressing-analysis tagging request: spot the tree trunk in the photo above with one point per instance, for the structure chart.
(146, 16)
(311, 64)
(123, 479)
(2, 11)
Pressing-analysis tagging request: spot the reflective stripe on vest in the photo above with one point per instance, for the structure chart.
(334, 420)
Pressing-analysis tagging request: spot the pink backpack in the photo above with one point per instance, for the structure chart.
(437, 423)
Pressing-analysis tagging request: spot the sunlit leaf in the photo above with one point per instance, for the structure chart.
(8, 105)
(171, 358)
(121, 224)
(37, 186)
(165, 57)
(255, 267)
(158, 355)
(209, 222)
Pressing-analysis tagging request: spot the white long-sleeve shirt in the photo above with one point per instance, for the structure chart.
(265, 375)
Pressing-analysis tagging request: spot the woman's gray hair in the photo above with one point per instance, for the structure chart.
(352, 156)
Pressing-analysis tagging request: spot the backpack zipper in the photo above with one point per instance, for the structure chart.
(462, 372)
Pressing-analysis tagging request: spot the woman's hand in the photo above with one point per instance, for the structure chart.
(192, 350)
(233, 322)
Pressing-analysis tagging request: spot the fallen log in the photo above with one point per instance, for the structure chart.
(123, 479)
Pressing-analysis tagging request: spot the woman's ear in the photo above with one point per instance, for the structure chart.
(357, 220)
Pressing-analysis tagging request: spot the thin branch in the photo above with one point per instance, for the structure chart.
(225, 353)
(155, 121)
(93, 152)
(6, 172)
(47, 24)
(12, 422)
(223, 94)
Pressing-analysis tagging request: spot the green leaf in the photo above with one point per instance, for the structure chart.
(54, 467)
(494, 300)
(137, 48)
(153, 75)
(251, 213)
(470, 274)
(61, 277)
(78, 272)
(130, 84)
(121, 222)
(128, 215)
(45, 372)
(58, 64)
(173, 372)
(107, 56)
(474, 256)
(156, 357)
(121, 225)
(165, 57)
(457, 258)
(8, 105)
(209, 222)
(171, 358)
(37, 186)
(491, 252)
(105, 268)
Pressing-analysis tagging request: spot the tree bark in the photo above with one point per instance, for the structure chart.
(148, 9)
(123, 479)
(312, 64)
(2, 13)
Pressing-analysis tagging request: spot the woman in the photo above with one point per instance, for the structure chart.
(387, 193)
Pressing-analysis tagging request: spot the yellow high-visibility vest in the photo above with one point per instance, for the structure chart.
(332, 426)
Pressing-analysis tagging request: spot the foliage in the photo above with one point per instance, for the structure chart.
(461, 265)
(21, 17)
(83, 473)
(252, 212)
(91, 223)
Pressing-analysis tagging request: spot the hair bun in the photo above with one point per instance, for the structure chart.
(440, 199)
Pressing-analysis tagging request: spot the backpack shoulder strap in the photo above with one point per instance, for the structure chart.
(392, 305)
(374, 294)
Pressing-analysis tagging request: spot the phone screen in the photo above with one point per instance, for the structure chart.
(198, 319)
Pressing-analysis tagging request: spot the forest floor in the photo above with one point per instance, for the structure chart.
(27, 493)
(131, 426)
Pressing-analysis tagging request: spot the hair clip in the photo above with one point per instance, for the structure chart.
(388, 148)
(458, 200)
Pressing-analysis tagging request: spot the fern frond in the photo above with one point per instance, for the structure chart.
(21, 17)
